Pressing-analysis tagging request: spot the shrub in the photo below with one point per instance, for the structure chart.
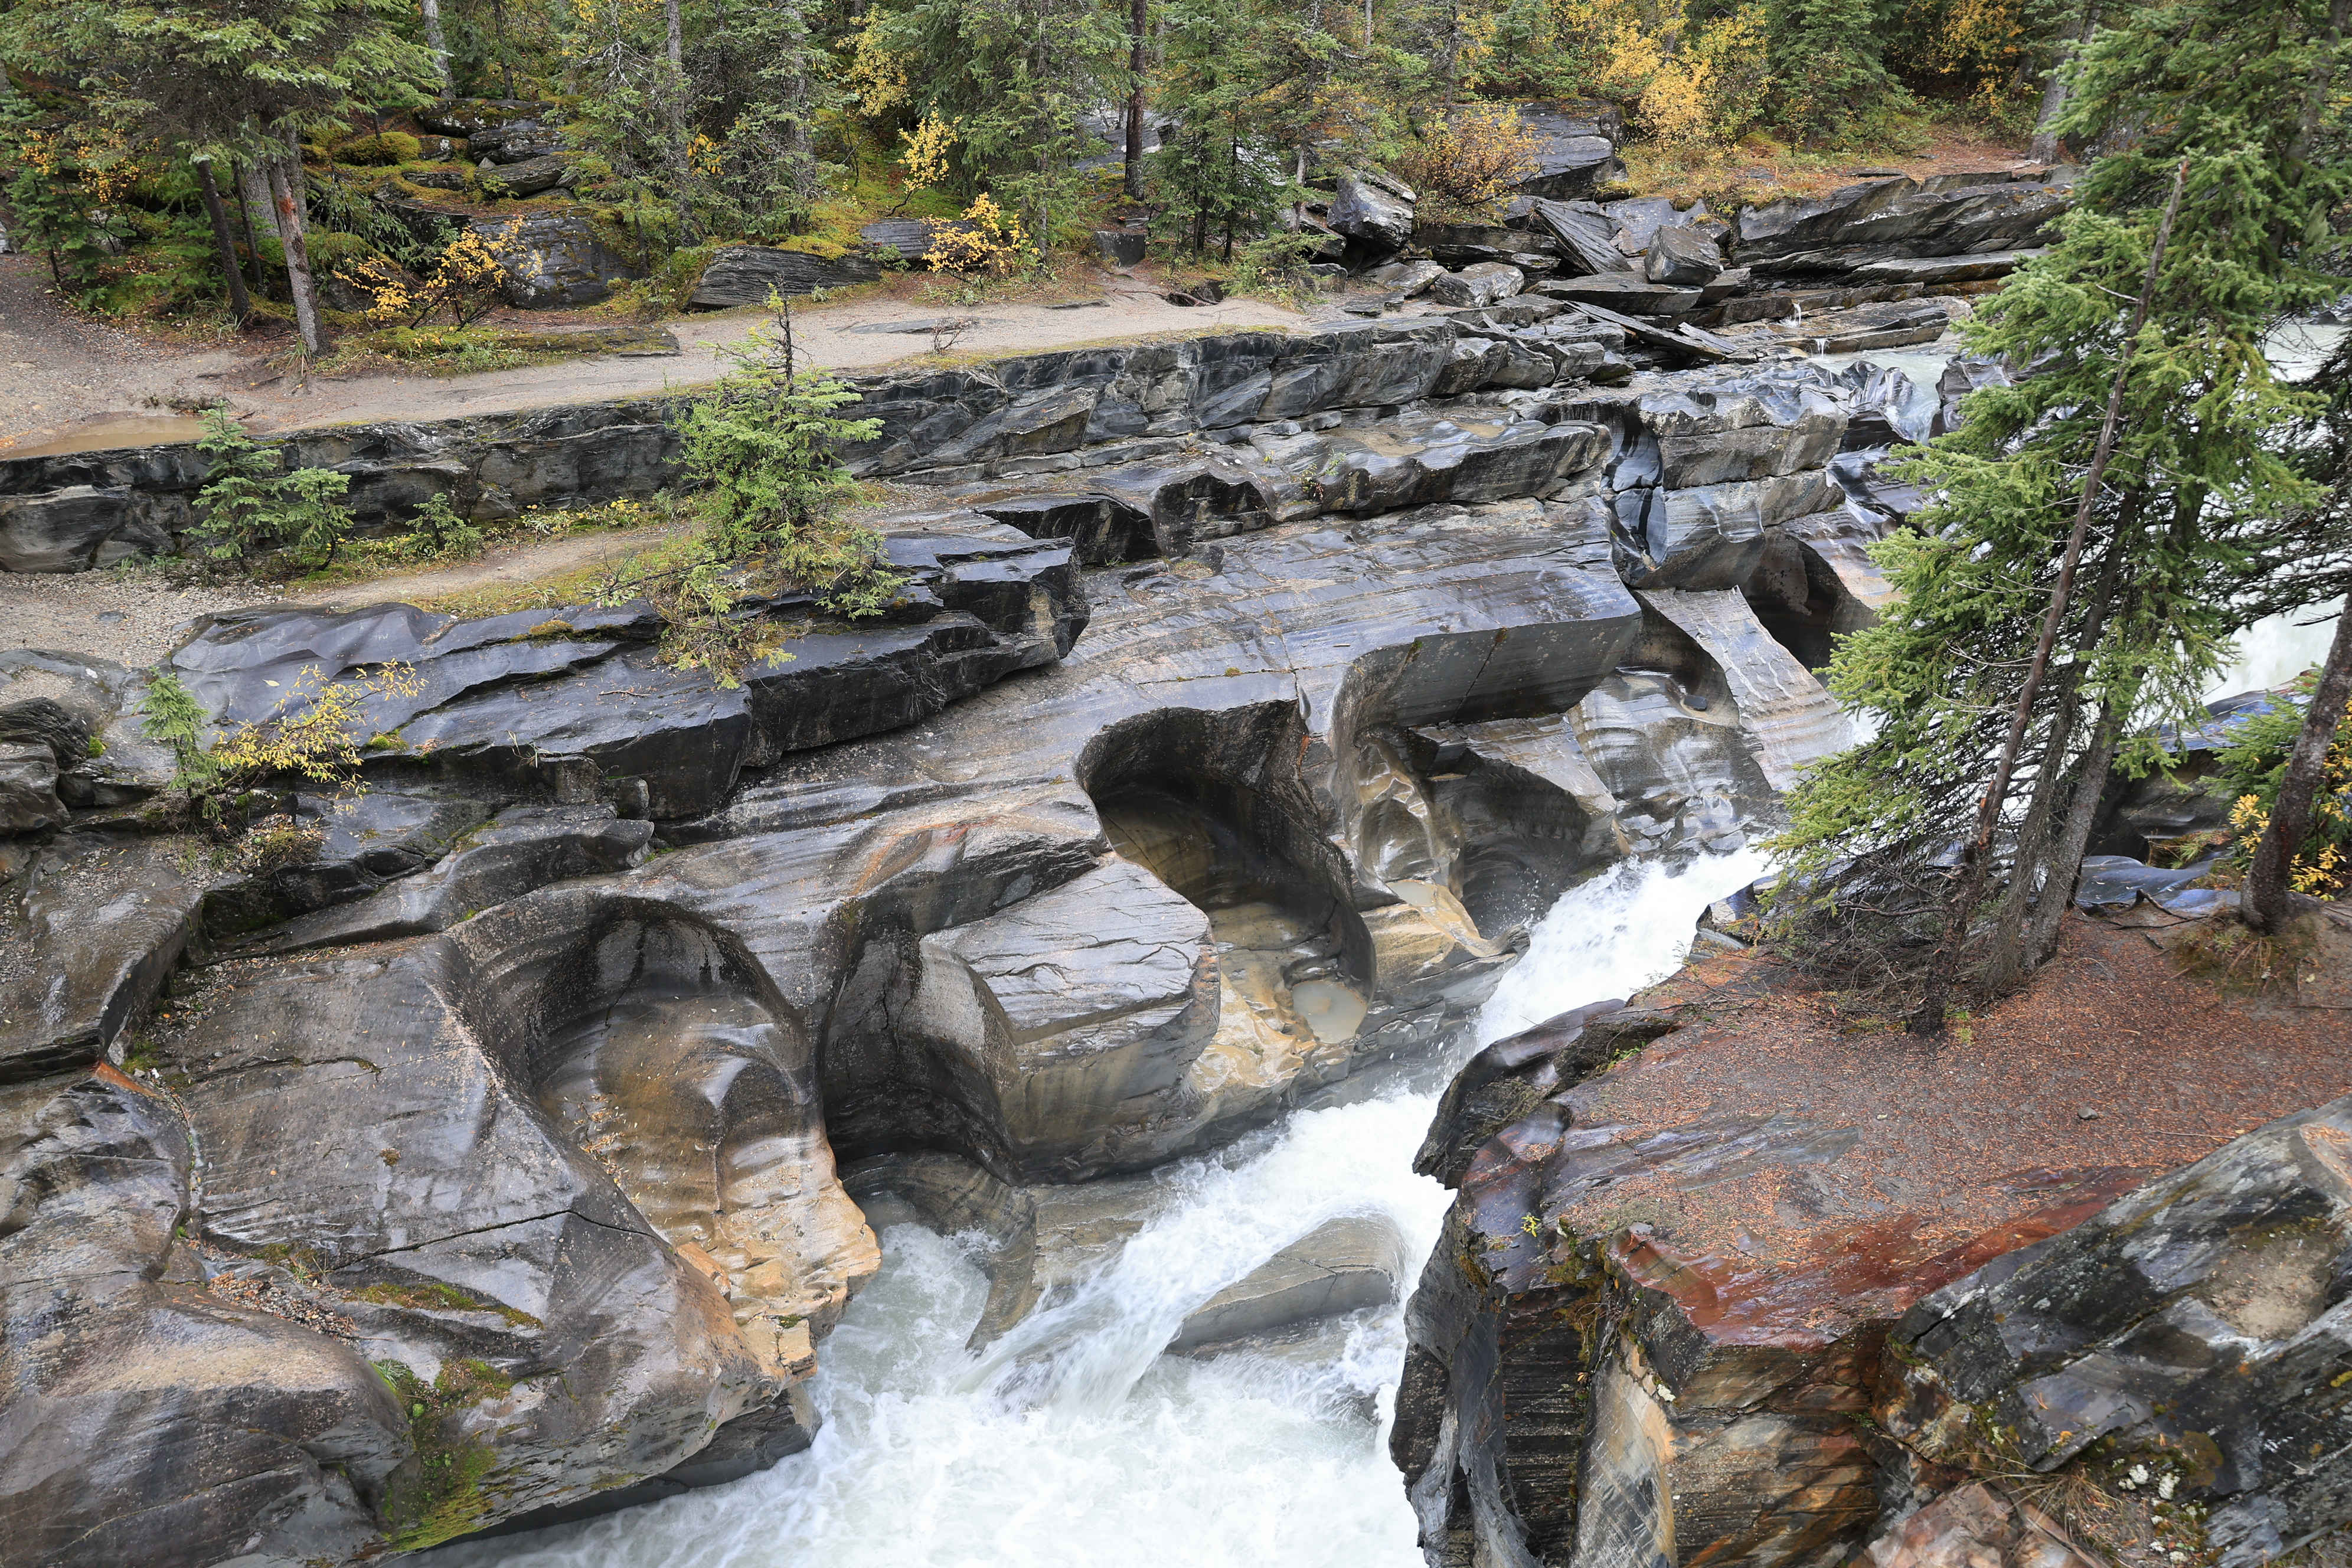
(462, 284)
(392, 147)
(2251, 768)
(986, 239)
(317, 735)
(250, 504)
(437, 531)
(763, 444)
(1471, 160)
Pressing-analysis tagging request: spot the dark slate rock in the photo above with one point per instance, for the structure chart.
(911, 239)
(364, 841)
(101, 924)
(262, 1439)
(1711, 537)
(464, 116)
(1585, 236)
(1884, 219)
(523, 705)
(79, 527)
(2196, 1322)
(1373, 210)
(1622, 291)
(1576, 147)
(1479, 284)
(517, 142)
(744, 274)
(525, 847)
(558, 259)
(1681, 257)
(522, 178)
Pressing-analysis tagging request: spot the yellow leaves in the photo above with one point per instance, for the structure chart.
(986, 239)
(322, 741)
(1474, 158)
(877, 74)
(925, 158)
(1687, 83)
(464, 277)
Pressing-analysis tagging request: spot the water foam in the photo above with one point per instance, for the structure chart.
(1073, 1441)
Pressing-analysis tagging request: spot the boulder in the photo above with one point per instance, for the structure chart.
(1481, 283)
(523, 178)
(1882, 220)
(1342, 1266)
(2189, 1323)
(1585, 234)
(1374, 210)
(515, 142)
(1080, 1009)
(746, 274)
(1937, 269)
(910, 239)
(1575, 147)
(1622, 291)
(464, 116)
(29, 788)
(331, 850)
(558, 259)
(1121, 246)
(1404, 279)
(1680, 256)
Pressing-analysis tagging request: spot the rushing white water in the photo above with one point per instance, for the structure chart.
(1073, 1441)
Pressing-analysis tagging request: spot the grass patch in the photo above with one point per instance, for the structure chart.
(2236, 959)
(432, 1296)
(438, 1494)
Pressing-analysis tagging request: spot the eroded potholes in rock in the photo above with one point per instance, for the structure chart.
(1202, 802)
(658, 1049)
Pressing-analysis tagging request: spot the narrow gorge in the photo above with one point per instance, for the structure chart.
(1171, 1045)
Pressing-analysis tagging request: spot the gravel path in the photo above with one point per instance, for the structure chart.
(59, 371)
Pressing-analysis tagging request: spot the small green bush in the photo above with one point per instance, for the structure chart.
(376, 152)
(437, 533)
(250, 503)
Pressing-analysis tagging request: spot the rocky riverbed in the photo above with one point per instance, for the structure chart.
(501, 1146)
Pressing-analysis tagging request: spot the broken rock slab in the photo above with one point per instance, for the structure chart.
(1341, 1265)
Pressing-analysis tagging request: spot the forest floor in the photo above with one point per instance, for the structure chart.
(1857, 1166)
(61, 374)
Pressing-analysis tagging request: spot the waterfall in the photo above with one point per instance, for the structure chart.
(1072, 1441)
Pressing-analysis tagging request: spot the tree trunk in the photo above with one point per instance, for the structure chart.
(1976, 858)
(249, 184)
(1139, 19)
(2054, 93)
(287, 204)
(2265, 905)
(506, 62)
(2082, 815)
(238, 301)
(438, 42)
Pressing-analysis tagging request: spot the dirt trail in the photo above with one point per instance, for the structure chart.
(138, 619)
(58, 371)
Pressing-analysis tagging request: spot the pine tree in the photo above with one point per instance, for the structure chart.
(2203, 521)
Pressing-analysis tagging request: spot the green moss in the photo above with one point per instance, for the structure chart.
(438, 1494)
(392, 147)
(431, 1295)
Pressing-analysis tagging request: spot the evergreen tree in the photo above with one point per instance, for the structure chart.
(2201, 519)
(237, 77)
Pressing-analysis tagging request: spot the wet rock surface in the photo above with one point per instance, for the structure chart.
(1248, 700)
(1754, 1295)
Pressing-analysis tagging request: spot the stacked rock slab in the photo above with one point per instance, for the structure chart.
(1596, 1378)
(1188, 776)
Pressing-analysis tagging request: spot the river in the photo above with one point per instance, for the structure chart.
(1073, 1441)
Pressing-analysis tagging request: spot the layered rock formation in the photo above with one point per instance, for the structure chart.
(1760, 1291)
(1246, 701)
